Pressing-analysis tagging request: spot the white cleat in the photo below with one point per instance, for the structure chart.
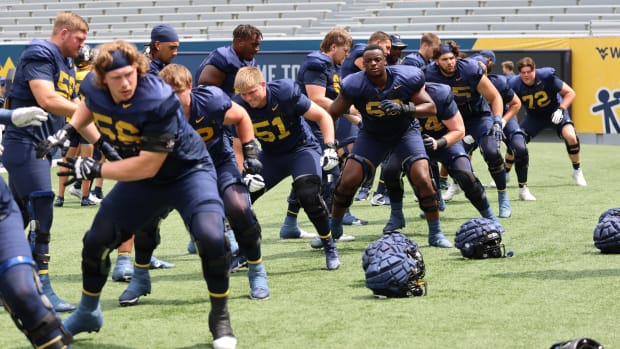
(225, 342)
(525, 195)
(453, 189)
(579, 179)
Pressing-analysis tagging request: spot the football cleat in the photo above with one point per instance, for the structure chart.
(350, 219)
(332, 260)
(396, 221)
(84, 321)
(443, 184)
(294, 232)
(75, 192)
(123, 269)
(140, 285)
(258, 282)
(579, 178)
(525, 195)
(59, 201)
(59, 304)
(438, 240)
(379, 199)
(226, 342)
(454, 189)
(87, 202)
(159, 264)
(191, 248)
(94, 198)
(504, 205)
(239, 261)
(363, 194)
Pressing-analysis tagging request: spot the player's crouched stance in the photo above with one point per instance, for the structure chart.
(288, 146)
(162, 162)
(20, 289)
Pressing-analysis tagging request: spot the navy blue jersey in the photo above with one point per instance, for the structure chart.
(415, 59)
(153, 111)
(501, 84)
(464, 84)
(279, 125)
(403, 81)
(318, 69)
(446, 109)
(348, 66)
(208, 108)
(226, 60)
(40, 60)
(155, 66)
(540, 99)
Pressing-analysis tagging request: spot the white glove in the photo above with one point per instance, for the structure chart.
(557, 116)
(468, 139)
(329, 159)
(28, 116)
(254, 182)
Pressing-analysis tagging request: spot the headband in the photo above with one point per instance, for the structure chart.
(445, 48)
(119, 60)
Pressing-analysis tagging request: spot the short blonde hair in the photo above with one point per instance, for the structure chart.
(248, 77)
(70, 21)
(104, 59)
(176, 75)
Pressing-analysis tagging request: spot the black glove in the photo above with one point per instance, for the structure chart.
(251, 164)
(392, 108)
(107, 149)
(79, 169)
(428, 143)
(497, 131)
(55, 141)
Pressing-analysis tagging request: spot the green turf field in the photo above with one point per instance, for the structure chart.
(556, 287)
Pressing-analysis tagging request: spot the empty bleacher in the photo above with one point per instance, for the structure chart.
(215, 19)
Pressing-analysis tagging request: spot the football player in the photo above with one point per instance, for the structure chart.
(135, 116)
(546, 99)
(208, 109)
(480, 105)
(288, 145)
(389, 98)
(44, 77)
(20, 290)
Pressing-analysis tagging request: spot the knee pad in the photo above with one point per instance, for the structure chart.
(207, 231)
(308, 191)
(99, 262)
(473, 189)
(250, 237)
(368, 170)
(148, 238)
(429, 203)
(40, 214)
(48, 323)
(572, 149)
(392, 177)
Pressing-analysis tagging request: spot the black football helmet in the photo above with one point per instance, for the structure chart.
(579, 343)
(480, 238)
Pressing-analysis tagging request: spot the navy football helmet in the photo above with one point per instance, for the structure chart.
(611, 212)
(607, 234)
(580, 343)
(480, 238)
(394, 267)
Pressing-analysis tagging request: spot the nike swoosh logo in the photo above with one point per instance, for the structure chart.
(275, 107)
(126, 105)
(200, 120)
(458, 79)
(397, 87)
